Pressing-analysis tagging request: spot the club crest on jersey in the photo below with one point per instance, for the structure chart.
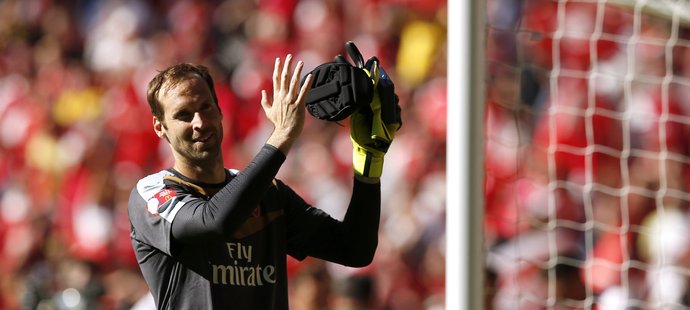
(161, 201)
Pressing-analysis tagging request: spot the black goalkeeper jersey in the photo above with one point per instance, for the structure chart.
(224, 246)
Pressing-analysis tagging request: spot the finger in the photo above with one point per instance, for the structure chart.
(276, 75)
(302, 96)
(294, 82)
(286, 70)
(340, 59)
(265, 102)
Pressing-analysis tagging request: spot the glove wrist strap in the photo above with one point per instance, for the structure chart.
(366, 163)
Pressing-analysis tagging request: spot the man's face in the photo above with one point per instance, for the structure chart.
(191, 121)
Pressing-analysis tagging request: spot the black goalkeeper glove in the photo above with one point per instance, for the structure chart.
(364, 92)
(373, 126)
(338, 89)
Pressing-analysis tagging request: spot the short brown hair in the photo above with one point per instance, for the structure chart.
(171, 77)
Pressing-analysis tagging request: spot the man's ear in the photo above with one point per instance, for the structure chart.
(158, 128)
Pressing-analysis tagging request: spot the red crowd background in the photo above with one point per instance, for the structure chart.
(75, 135)
(587, 155)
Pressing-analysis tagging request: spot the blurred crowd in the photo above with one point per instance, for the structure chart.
(587, 156)
(75, 136)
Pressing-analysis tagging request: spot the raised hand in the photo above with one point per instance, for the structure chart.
(285, 107)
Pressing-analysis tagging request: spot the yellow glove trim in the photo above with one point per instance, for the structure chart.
(366, 163)
(370, 137)
(379, 131)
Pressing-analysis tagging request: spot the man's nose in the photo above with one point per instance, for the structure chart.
(198, 121)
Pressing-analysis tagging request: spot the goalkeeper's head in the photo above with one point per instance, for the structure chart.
(186, 114)
(171, 77)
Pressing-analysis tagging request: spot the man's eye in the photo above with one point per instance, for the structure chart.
(209, 110)
(184, 116)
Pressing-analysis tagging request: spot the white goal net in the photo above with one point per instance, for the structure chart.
(587, 155)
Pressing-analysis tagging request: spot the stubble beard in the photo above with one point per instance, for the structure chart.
(203, 157)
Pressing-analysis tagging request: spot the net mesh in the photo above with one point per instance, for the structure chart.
(587, 154)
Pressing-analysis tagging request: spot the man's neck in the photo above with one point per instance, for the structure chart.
(213, 173)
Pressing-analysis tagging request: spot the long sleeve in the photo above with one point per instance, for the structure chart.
(226, 210)
(352, 241)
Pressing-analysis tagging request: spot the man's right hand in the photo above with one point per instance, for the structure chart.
(286, 107)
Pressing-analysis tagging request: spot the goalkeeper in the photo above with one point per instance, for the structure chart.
(208, 237)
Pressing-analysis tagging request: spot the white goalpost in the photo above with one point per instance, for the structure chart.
(464, 255)
(568, 159)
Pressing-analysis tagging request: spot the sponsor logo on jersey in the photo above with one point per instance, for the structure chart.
(242, 269)
(161, 201)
